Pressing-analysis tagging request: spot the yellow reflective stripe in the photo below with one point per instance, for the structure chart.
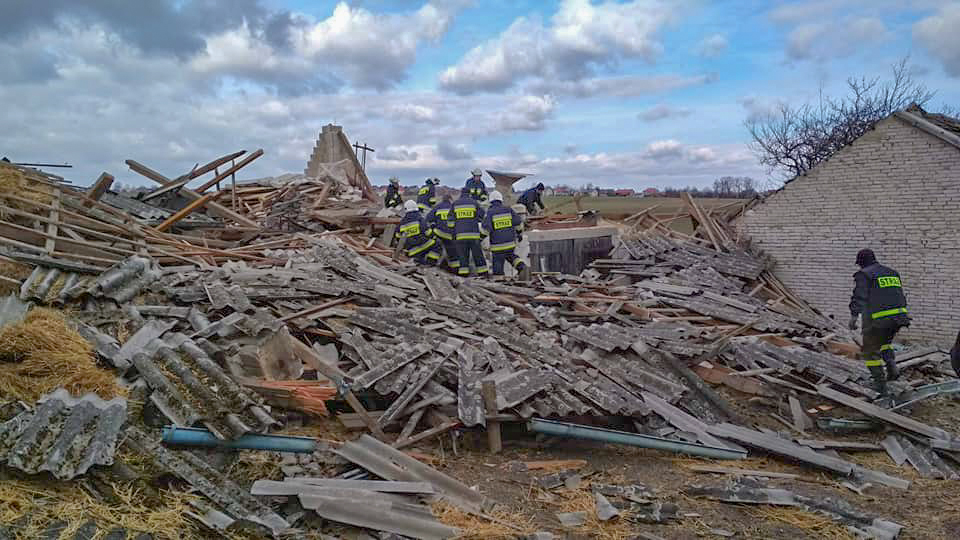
(468, 236)
(503, 222)
(888, 313)
(886, 347)
(433, 256)
(422, 247)
(889, 281)
(442, 214)
(465, 212)
(503, 247)
(412, 229)
(873, 363)
(423, 191)
(441, 234)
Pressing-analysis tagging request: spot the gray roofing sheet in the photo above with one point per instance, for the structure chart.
(63, 435)
(189, 387)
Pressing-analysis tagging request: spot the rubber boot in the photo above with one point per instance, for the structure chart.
(879, 379)
(890, 361)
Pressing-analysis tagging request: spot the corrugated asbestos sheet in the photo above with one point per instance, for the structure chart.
(189, 387)
(64, 435)
(228, 496)
(12, 310)
(120, 283)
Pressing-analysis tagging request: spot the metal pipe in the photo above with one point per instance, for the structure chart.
(179, 436)
(563, 429)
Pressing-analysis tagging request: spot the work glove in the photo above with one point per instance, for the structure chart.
(854, 322)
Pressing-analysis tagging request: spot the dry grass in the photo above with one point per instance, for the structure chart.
(582, 500)
(255, 465)
(13, 182)
(474, 527)
(42, 353)
(12, 270)
(818, 526)
(36, 504)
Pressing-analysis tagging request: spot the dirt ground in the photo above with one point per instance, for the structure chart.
(927, 510)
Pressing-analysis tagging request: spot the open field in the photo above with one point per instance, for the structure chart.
(621, 207)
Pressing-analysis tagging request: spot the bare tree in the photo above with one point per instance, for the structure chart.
(795, 138)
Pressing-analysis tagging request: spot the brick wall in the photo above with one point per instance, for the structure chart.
(895, 190)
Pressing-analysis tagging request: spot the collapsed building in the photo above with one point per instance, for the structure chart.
(895, 190)
(235, 314)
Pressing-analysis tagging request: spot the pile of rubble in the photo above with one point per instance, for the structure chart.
(275, 298)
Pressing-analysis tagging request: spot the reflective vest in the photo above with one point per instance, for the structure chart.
(416, 235)
(467, 215)
(427, 196)
(885, 298)
(503, 225)
(477, 189)
(393, 197)
(442, 220)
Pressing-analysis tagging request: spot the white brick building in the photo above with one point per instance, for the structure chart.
(895, 190)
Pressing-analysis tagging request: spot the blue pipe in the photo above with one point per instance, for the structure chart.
(563, 429)
(180, 436)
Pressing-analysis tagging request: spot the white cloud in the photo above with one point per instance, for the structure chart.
(353, 44)
(580, 38)
(619, 86)
(828, 38)
(758, 108)
(411, 111)
(663, 111)
(528, 113)
(661, 149)
(713, 46)
(940, 34)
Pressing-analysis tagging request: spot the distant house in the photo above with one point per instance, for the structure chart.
(624, 193)
(562, 191)
(651, 192)
(606, 192)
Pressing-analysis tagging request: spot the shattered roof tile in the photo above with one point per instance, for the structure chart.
(64, 435)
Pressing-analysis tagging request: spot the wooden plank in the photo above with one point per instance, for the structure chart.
(870, 409)
(215, 209)
(100, 187)
(52, 224)
(801, 422)
(426, 434)
(233, 169)
(316, 309)
(489, 391)
(185, 211)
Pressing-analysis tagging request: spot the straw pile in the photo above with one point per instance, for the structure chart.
(43, 353)
(14, 182)
(31, 506)
(503, 525)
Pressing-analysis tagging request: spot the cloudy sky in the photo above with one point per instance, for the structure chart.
(630, 93)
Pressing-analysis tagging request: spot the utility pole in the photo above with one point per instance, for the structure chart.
(357, 147)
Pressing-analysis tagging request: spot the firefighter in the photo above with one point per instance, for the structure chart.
(393, 198)
(505, 229)
(532, 198)
(879, 300)
(427, 196)
(417, 237)
(442, 220)
(467, 216)
(476, 187)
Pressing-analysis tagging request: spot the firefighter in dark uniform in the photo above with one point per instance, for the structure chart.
(476, 187)
(417, 237)
(467, 216)
(879, 300)
(505, 229)
(442, 220)
(427, 195)
(393, 198)
(531, 198)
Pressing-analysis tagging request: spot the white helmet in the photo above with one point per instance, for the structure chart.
(496, 196)
(394, 180)
(477, 172)
(410, 205)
